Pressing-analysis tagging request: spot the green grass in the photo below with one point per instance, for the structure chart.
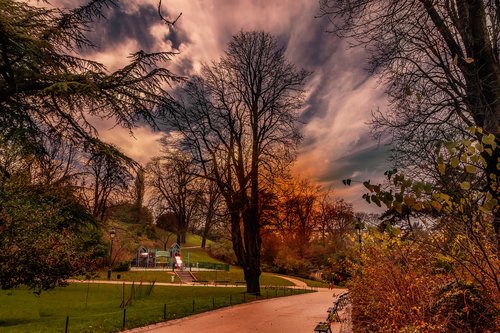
(236, 274)
(197, 255)
(158, 276)
(195, 240)
(21, 311)
(312, 283)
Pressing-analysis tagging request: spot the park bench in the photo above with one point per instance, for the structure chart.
(218, 282)
(333, 314)
(204, 282)
(323, 327)
(342, 301)
(239, 282)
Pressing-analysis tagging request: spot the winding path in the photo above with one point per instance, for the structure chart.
(298, 283)
(299, 313)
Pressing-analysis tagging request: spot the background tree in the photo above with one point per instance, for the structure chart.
(335, 217)
(175, 189)
(108, 179)
(212, 209)
(46, 234)
(48, 93)
(298, 214)
(440, 61)
(239, 124)
(139, 189)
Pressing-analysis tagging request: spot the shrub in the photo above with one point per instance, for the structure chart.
(122, 266)
(461, 306)
(223, 250)
(288, 262)
(392, 287)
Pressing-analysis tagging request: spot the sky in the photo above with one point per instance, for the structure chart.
(340, 93)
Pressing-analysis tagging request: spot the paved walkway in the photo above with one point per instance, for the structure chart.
(298, 283)
(299, 313)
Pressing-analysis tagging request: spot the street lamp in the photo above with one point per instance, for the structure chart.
(359, 226)
(112, 235)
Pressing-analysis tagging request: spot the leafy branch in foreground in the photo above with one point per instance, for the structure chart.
(448, 225)
(46, 89)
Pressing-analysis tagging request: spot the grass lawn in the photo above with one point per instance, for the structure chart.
(235, 274)
(21, 311)
(146, 276)
(312, 283)
(197, 255)
(195, 240)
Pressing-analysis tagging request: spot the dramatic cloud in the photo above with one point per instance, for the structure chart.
(341, 94)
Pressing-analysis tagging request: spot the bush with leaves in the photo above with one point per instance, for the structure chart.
(223, 250)
(462, 306)
(46, 237)
(453, 221)
(393, 286)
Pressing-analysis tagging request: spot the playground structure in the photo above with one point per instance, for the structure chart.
(171, 259)
(153, 258)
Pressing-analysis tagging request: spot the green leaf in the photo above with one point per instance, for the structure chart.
(470, 169)
(397, 207)
(376, 200)
(490, 204)
(488, 139)
(465, 186)
(437, 206)
(442, 168)
(450, 145)
(454, 162)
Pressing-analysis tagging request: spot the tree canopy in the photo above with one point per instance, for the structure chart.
(49, 94)
(47, 89)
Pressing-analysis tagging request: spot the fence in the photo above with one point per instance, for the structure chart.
(149, 306)
(210, 265)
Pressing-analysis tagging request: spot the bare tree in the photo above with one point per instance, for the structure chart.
(212, 209)
(440, 60)
(240, 126)
(107, 179)
(175, 189)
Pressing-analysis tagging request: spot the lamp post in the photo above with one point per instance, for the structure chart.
(359, 226)
(112, 235)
